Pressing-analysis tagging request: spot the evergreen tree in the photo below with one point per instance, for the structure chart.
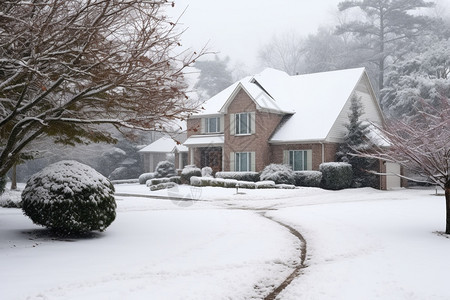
(214, 77)
(422, 76)
(355, 140)
(387, 29)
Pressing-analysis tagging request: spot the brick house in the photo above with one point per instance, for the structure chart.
(272, 117)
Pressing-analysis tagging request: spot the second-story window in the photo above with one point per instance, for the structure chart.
(212, 125)
(243, 123)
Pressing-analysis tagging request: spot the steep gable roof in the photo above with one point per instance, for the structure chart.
(316, 102)
(218, 104)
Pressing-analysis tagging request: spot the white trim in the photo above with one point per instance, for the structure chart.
(232, 124)
(252, 116)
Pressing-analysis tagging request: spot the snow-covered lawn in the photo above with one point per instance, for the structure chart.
(361, 244)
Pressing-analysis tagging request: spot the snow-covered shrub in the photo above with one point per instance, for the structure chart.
(145, 176)
(246, 184)
(267, 184)
(242, 176)
(188, 172)
(162, 186)
(278, 173)
(69, 197)
(336, 175)
(11, 199)
(228, 183)
(118, 173)
(156, 181)
(285, 186)
(218, 182)
(164, 169)
(195, 181)
(175, 179)
(202, 181)
(308, 178)
(207, 172)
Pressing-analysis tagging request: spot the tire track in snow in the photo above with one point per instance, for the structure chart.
(298, 268)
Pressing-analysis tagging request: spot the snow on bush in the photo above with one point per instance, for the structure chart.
(10, 199)
(195, 181)
(246, 184)
(207, 172)
(175, 179)
(164, 169)
(218, 182)
(267, 184)
(280, 174)
(228, 183)
(285, 186)
(243, 176)
(188, 172)
(162, 186)
(146, 176)
(336, 175)
(308, 178)
(69, 197)
(156, 181)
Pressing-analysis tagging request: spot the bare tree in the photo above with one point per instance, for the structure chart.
(69, 67)
(422, 145)
(284, 52)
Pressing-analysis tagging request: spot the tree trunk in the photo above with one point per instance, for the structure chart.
(447, 204)
(14, 178)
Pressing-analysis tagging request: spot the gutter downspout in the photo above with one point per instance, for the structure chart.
(323, 152)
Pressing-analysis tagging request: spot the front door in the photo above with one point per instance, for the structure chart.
(212, 157)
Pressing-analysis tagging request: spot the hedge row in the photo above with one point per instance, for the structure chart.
(233, 183)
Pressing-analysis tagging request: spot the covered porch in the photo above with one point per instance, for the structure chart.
(206, 151)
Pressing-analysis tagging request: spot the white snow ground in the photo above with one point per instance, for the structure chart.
(361, 244)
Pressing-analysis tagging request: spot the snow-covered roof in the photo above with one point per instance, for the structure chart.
(163, 145)
(205, 140)
(219, 103)
(314, 100)
(317, 100)
(181, 148)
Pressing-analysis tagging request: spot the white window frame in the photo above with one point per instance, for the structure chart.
(237, 161)
(208, 128)
(238, 128)
(293, 154)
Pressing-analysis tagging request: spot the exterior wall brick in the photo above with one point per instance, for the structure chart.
(193, 126)
(329, 151)
(265, 124)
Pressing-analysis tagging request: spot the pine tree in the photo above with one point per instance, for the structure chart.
(387, 28)
(354, 140)
(214, 77)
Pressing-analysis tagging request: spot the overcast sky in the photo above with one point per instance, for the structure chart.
(238, 28)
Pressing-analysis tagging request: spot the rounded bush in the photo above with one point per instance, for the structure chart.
(145, 176)
(188, 172)
(308, 178)
(165, 169)
(336, 175)
(280, 174)
(69, 197)
(207, 172)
